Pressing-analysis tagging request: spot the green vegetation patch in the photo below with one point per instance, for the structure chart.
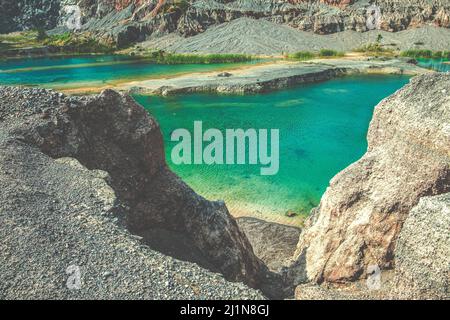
(307, 55)
(426, 54)
(330, 53)
(18, 40)
(374, 49)
(19, 37)
(71, 43)
(174, 58)
(61, 43)
(302, 55)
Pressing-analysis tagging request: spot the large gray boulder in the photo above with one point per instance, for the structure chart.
(422, 261)
(422, 254)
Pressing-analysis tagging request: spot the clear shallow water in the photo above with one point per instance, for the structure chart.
(323, 129)
(440, 65)
(72, 72)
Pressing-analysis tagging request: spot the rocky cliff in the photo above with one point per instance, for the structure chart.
(125, 21)
(84, 182)
(360, 223)
(28, 14)
(422, 253)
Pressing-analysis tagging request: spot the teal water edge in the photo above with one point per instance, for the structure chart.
(440, 65)
(70, 72)
(323, 129)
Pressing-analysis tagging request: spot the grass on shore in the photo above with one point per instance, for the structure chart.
(162, 57)
(70, 43)
(18, 40)
(62, 43)
(307, 55)
(324, 53)
(426, 54)
(302, 55)
(16, 37)
(374, 49)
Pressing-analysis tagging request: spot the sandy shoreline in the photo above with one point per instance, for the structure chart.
(242, 209)
(120, 84)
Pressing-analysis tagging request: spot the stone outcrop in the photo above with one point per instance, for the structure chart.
(422, 253)
(81, 180)
(422, 261)
(273, 243)
(362, 213)
(28, 14)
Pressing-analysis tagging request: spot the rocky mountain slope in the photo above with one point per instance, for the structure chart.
(84, 183)
(366, 217)
(122, 22)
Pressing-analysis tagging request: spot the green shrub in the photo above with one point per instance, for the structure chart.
(330, 53)
(41, 34)
(426, 54)
(417, 53)
(437, 55)
(70, 43)
(379, 38)
(307, 55)
(172, 58)
(375, 49)
(25, 37)
(63, 38)
(372, 48)
(302, 55)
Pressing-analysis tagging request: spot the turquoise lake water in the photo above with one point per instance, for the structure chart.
(323, 126)
(72, 72)
(323, 129)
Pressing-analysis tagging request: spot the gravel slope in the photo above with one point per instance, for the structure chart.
(250, 36)
(41, 238)
(56, 214)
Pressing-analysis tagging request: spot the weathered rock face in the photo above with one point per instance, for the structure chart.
(422, 254)
(8, 10)
(111, 133)
(273, 243)
(362, 212)
(28, 14)
(123, 22)
(422, 261)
